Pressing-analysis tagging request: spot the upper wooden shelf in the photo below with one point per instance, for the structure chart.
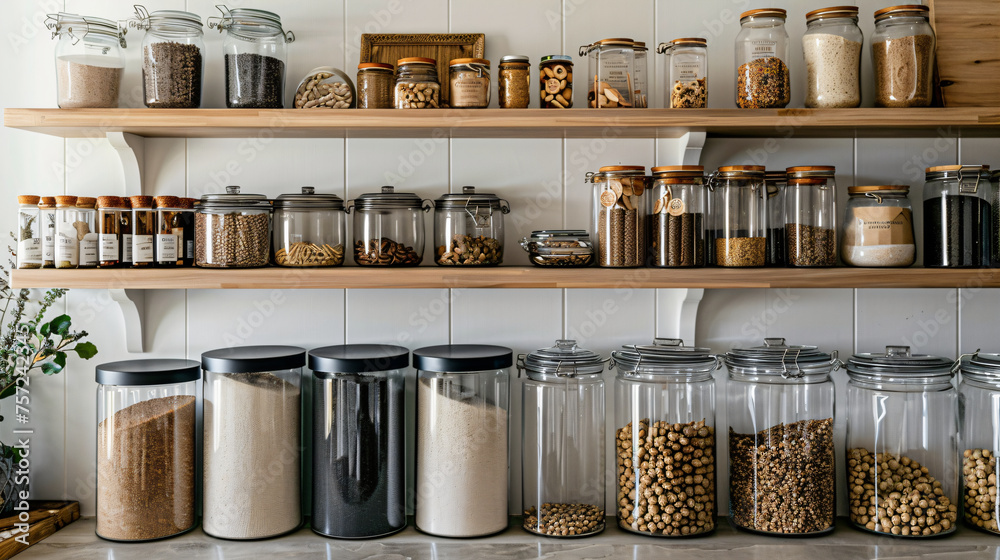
(509, 123)
(505, 277)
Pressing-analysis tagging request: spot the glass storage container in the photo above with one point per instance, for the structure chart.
(109, 218)
(309, 229)
(358, 434)
(776, 182)
(832, 48)
(67, 234)
(325, 87)
(256, 50)
(47, 217)
(232, 230)
(252, 445)
(468, 228)
(902, 454)
(762, 80)
(143, 231)
(375, 83)
(739, 205)
(878, 227)
(555, 76)
(677, 222)
(90, 60)
(811, 216)
(979, 403)
(173, 57)
(461, 441)
(125, 227)
(186, 216)
(169, 250)
(781, 451)
(146, 447)
(514, 82)
(559, 247)
(563, 451)
(903, 48)
(958, 217)
(87, 231)
(611, 79)
(665, 438)
(687, 72)
(995, 201)
(417, 85)
(618, 210)
(469, 83)
(640, 83)
(29, 232)
(389, 228)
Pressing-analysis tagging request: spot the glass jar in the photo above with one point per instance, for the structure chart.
(555, 76)
(832, 47)
(252, 450)
(514, 82)
(67, 236)
(811, 216)
(389, 228)
(90, 60)
(232, 230)
(309, 229)
(146, 449)
(664, 397)
(777, 252)
(903, 48)
(979, 403)
(47, 217)
(468, 228)
(958, 217)
(255, 49)
(186, 216)
(169, 238)
(878, 227)
(461, 439)
(618, 212)
(375, 81)
(325, 87)
(358, 435)
(612, 67)
(125, 227)
(417, 85)
(563, 451)
(995, 199)
(173, 61)
(762, 80)
(677, 222)
(143, 232)
(640, 83)
(687, 72)
(739, 205)
(902, 454)
(781, 451)
(559, 247)
(469, 83)
(29, 232)
(87, 231)
(109, 218)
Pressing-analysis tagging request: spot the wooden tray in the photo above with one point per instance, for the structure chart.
(388, 48)
(968, 51)
(44, 519)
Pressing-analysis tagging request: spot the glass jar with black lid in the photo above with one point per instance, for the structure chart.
(468, 228)
(308, 229)
(389, 228)
(232, 230)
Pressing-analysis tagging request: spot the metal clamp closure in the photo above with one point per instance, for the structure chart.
(958, 363)
(140, 21)
(964, 187)
(663, 47)
(877, 197)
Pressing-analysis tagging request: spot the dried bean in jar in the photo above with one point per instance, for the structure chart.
(979, 471)
(384, 252)
(171, 75)
(470, 250)
(564, 520)
(232, 240)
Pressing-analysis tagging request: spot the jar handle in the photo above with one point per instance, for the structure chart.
(955, 367)
(427, 205)
(663, 48)
(219, 22)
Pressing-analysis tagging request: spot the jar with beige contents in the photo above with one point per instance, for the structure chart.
(832, 47)
(417, 85)
(903, 56)
(514, 82)
(469, 82)
(555, 76)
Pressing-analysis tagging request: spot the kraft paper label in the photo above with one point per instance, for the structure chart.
(880, 225)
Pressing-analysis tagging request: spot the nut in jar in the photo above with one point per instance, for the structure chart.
(555, 75)
(325, 88)
(417, 85)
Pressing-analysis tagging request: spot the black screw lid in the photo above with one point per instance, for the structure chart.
(461, 358)
(148, 372)
(253, 359)
(357, 358)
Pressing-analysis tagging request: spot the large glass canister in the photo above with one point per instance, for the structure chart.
(611, 79)
(389, 228)
(47, 223)
(958, 216)
(514, 82)
(902, 454)
(687, 72)
(29, 232)
(739, 208)
(417, 85)
(776, 182)
(782, 469)
(563, 449)
(169, 249)
(677, 222)
(87, 231)
(143, 231)
(252, 443)
(665, 439)
(461, 440)
(903, 54)
(832, 48)
(109, 237)
(67, 234)
(90, 60)
(619, 214)
(878, 227)
(256, 50)
(232, 230)
(358, 440)
(309, 229)
(640, 82)
(468, 228)
(173, 61)
(762, 80)
(811, 216)
(146, 446)
(979, 403)
(555, 76)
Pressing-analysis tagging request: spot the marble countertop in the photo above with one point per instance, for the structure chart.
(78, 542)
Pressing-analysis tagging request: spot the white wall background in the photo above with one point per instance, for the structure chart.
(542, 178)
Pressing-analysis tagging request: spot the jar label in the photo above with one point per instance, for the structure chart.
(879, 225)
(166, 247)
(29, 251)
(127, 248)
(763, 49)
(88, 250)
(687, 71)
(189, 249)
(142, 248)
(675, 207)
(109, 247)
(67, 248)
(470, 92)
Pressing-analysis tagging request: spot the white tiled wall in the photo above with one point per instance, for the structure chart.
(542, 179)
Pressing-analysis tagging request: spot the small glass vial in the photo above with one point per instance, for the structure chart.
(29, 232)
(762, 80)
(979, 403)
(143, 231)
(811, 216)
(125, 227)
(555, 76)
(612, 66)
(514, 82)
(169, 232)
(677, 221)
(832, 47)
(878, 227)
(173, 60)
(739, 205)
(903, 48)
(109, 242)
(389, 228)
(417, 85)
(47, 221)
(958, 217)
(468, 228)
(687, 71)
(90, 60)
(375, 81)
(618, 210)
(186, 215)
(469, 83)
(776, 182)
(640, 85)
(68, 236)
(89, 241)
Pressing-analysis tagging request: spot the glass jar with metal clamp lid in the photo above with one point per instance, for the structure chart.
(677, 221)
(958, 216)
(562, 462)
(781, 414)
(739, 216)
(173, 59)
(619, 214)
(256, 51)
(389, 228)
(665, 406)
(90, 60)
(979, 403)
(902, 455)
(687, 72)
(559, 247)
(878, 227)
(611, 79)
(468, 228)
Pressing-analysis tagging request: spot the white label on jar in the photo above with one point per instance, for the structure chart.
(67, 250)
(763, 49)
(189, 249)
(49, 239)
(688, 71)
(126, 247)
(109, 247)
(166, 247)
(615, 71)
(470, 91)
(88, 250)
(142, 248)
(29, 251)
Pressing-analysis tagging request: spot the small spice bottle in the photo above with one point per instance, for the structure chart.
(143, 231)
(555, 77)
(375, 82)
(417, 85)
(762, 79)
(978, 393)
(67, 240)
(169, 232)
(514, 82)
(677, 221)
(88, 229)
(109, 243)
(832, 48)
(125, 227)
(903, 47)
(469, 82)
(186, 216)
(878, 227)
(29, 240)
(687, 68)
(47, 225)
(810, 216)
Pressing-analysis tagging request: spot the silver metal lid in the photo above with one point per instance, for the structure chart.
(564, 360)
(309, 199)
(776, 357)
(898, 365)
(248, 18)
(232, 198)
(665, 356)
(981, 367)
(514, 58)
(164, 19)
(557, 58)
(469, 198)
(388, 198)
(78, 27)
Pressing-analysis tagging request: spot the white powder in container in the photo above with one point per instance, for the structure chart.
(879, 255)
(832, 68)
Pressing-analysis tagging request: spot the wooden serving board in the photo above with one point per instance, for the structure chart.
(44, 519)
(968, 51)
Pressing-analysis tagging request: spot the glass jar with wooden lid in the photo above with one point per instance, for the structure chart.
(469, 82)
(611, 79)
(687, 72)
(375, 81)
(739, 215)
(640, 82)
(903, 47)
(619, 214)
(87, 231)
(762, 78)
(417, 85)
(832, 47)
(810, 216)
(878, 227)
(677, 221)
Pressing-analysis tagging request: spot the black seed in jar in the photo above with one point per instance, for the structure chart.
(254, 81)
(957, 231)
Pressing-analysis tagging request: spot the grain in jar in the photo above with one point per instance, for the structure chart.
(469, 82)
(832, 49)
(810, 216)
(762, 78)
(903, 56)
(375, 81)
(514, 82)
(739, 216)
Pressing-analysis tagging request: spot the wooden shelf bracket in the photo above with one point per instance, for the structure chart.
(689, 148)
(132, 304)
(131, 150)
(681, 308)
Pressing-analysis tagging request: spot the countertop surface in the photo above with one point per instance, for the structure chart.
(78, 541)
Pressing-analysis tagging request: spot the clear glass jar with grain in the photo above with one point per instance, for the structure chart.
(811, 216)
(762, 78)
(514, 82)
(677, 221)
(739, 216)
(90, 60)
(903, 47)
(375, 81)
(832, 47)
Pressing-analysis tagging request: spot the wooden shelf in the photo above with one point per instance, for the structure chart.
(509, 123)
(505, 277)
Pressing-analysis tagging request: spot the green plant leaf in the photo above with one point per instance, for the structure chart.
(85, 350)
(50, 368)
(44, 331)
(60, 359)
(60, 325)
(6, 393)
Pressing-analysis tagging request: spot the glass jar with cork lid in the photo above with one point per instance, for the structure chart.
(832, 47)
(109, 230)
(375, 81)
(309, 229)
(903, 48)
(878, 227)
(29, 237)
(739, 216)
(87, 231)
(417, 85)
(687, 72)
(618, 211)
(514, 82)
(469, 83)
(762, 79)
(677, 222)
(143, 231)
(169, 249)
(811, 216)
(47, 225)
(612, 66)
(67, 232)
